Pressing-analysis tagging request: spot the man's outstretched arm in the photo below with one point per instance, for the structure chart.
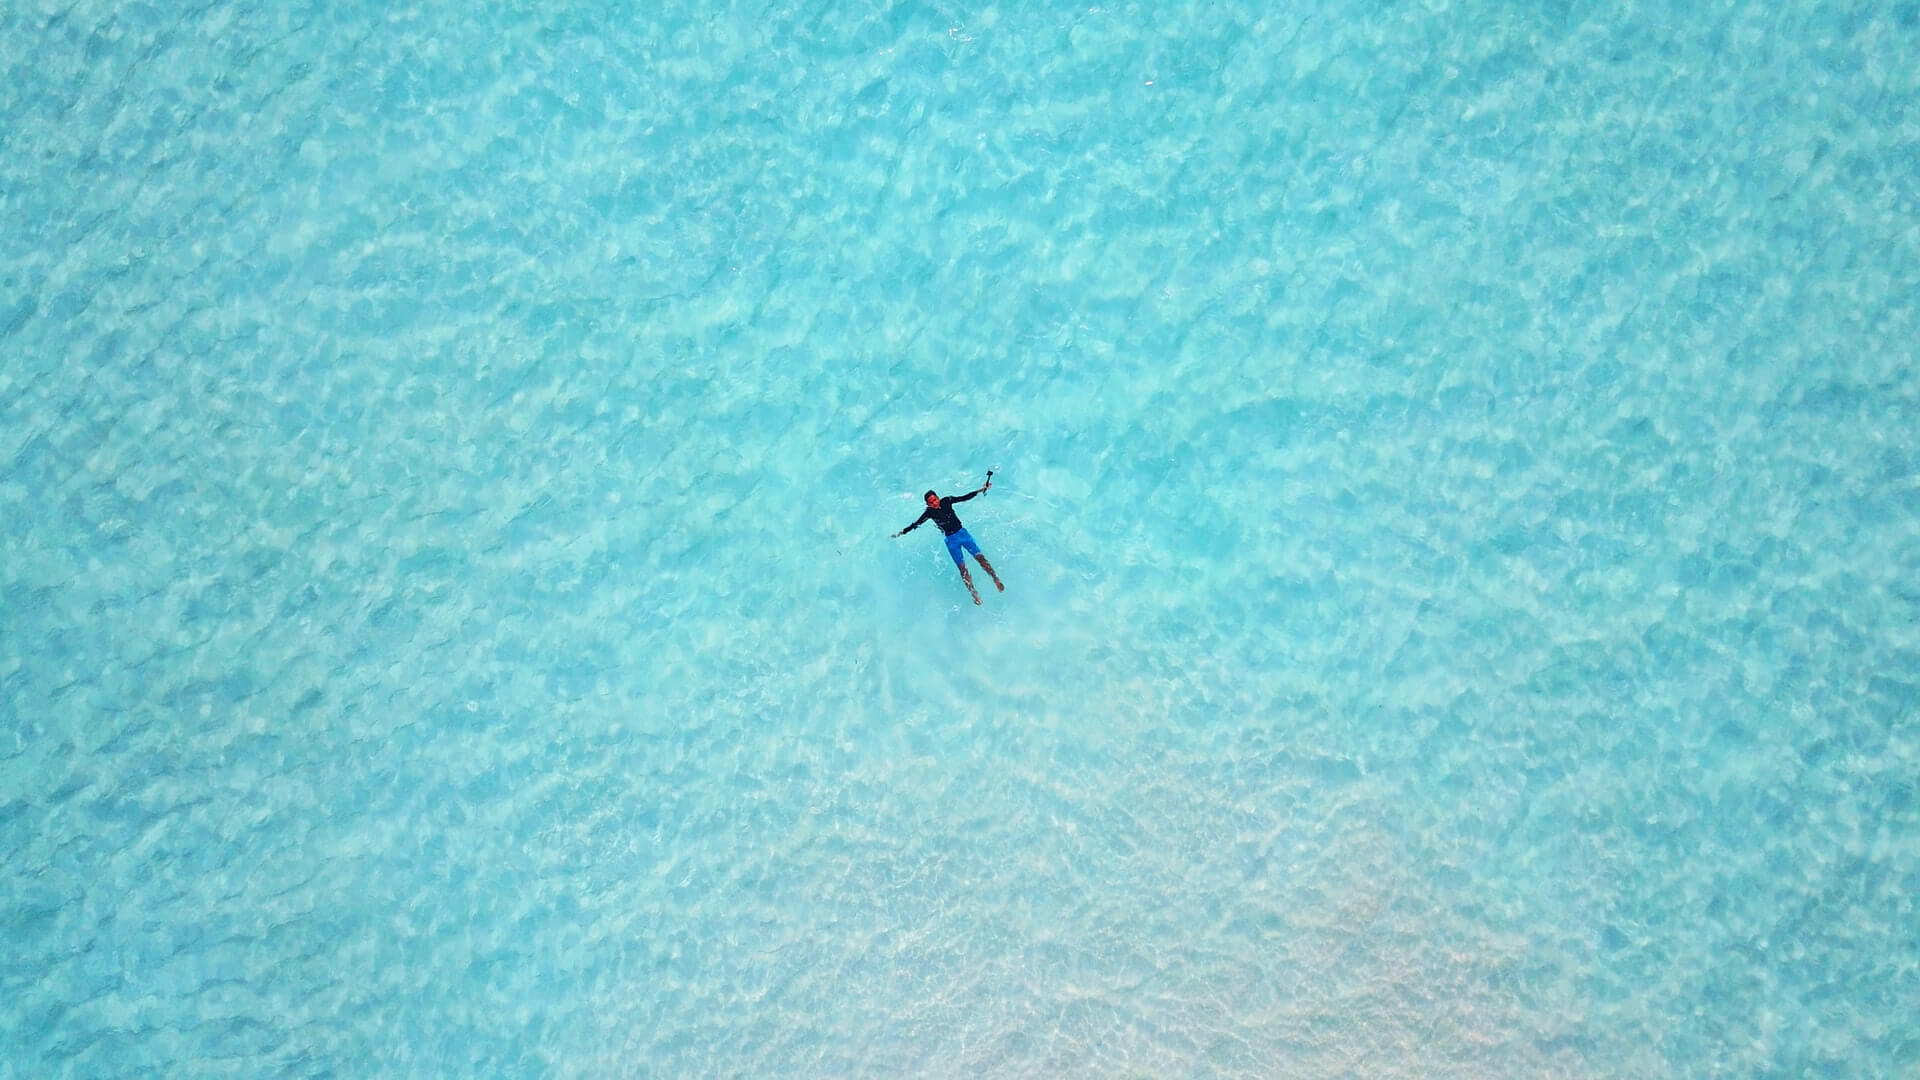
(970, 494)
(915, 525)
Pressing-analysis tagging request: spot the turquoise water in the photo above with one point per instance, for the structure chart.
(1458, 488)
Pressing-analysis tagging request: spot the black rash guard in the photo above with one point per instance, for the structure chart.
(943, 514)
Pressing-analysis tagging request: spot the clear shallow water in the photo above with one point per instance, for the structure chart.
(1458, 488)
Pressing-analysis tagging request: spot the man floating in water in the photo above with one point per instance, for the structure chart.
(941, 511)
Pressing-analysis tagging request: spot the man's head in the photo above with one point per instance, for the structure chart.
(932, 499)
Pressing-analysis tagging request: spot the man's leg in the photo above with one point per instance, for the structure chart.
(968, 578)
(988, 567)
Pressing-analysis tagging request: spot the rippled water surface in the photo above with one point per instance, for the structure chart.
(1458, 491)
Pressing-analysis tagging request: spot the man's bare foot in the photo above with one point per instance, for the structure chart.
(976, 598)
(997, 585)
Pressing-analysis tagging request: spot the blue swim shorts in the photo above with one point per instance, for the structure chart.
(960, 540)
